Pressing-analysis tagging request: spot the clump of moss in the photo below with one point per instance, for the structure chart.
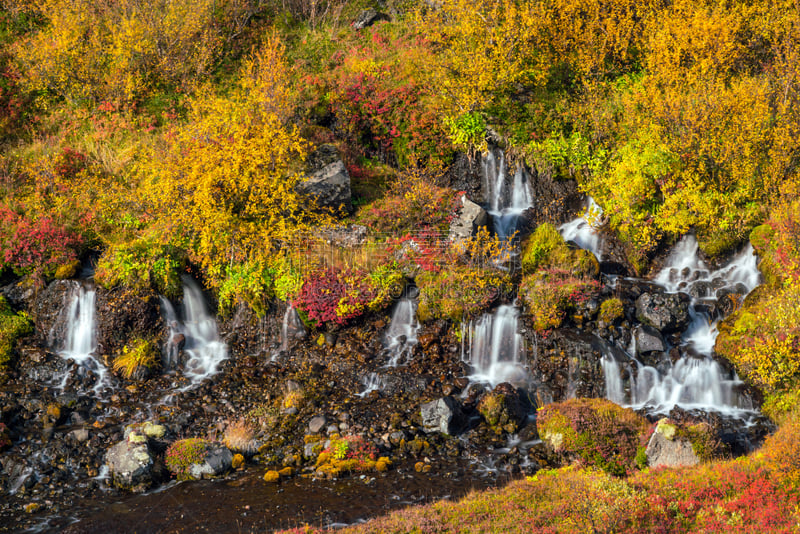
(611, 310)
(12, 327)
(546, 249)
(549, 295)
(182, 454)
(349, 454)
(67, 270)
(139, 353)
(595, 431)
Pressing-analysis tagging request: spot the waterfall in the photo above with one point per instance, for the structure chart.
(80, 341)
(582, 230)
(202, 343)
(292, 326)
(614, 388)
(505, 204)
(695, 380)
(496, 351)
(402, 333)
(372, 382)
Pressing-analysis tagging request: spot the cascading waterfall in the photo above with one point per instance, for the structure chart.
(582, 230)
(402, 333)
(496, 350)
(202, 343)
(505, 204)
(372, 382)
(695, 380)
(80, 342)
(291, 326)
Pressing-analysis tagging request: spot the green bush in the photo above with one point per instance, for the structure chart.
(143, 264)
(550, 294)
(459, 292)
(611, 310)
(12, 327)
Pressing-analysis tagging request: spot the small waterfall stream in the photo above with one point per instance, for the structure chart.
(402, 333)
(506, 201)
(582, 231)
(199, 328)
(496, 350)
(80, 341)
(292, 326)
(695, 380)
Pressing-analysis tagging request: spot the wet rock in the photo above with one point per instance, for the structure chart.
(131, 464)
(648, 340)
(317, 423)
(470, 218)
(328, 181)
(367, 18)
(218, 461)
(80, 435)
(125, 315)
(666, 448)
(666, 312)
(504, 409)
(444, 415)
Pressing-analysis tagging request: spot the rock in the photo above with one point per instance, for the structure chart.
(504, 408)
(126, 315)
(329, 183)
(666, 312)
(648, 339)
(80, 435)
(130, 464)
(273, 477)
(218, 460)
(665, 448)
(471, 217)
(317, 423)
(444, 415)
(368, 17)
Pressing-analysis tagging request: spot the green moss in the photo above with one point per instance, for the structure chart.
(546, 249)
(12, 327)
(143, 264)
(183, 453)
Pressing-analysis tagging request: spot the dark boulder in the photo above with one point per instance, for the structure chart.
(666, 312)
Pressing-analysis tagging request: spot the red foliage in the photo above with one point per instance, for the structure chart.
(38, 245)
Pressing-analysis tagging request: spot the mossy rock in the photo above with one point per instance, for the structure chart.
(546, 249)
(611, 310)
(596, 432)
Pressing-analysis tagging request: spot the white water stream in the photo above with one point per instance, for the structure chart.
(496, 350)
(202, 342)
(583, 232)
(80, 341)
(507, 201)
(695, 380)
(402, 333)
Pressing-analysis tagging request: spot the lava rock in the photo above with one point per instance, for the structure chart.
(368, 17)
(444, 415)
(665, 448)
(329, 182)
(218, 461)
(648, 340)
(666, 312)
(131, 464)
(471, 217)
(504, 409)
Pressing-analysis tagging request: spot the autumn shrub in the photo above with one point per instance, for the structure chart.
(337, 295)
(413, 205)
(460, 292)
(347, 454)
(611, 310)
(549, 296)
(12, 327)
(35, 245)
(596, 431)
(240, 437)
(138, 353)
(143, 264)
(126, 50)
(224, 183)
(182, 454)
